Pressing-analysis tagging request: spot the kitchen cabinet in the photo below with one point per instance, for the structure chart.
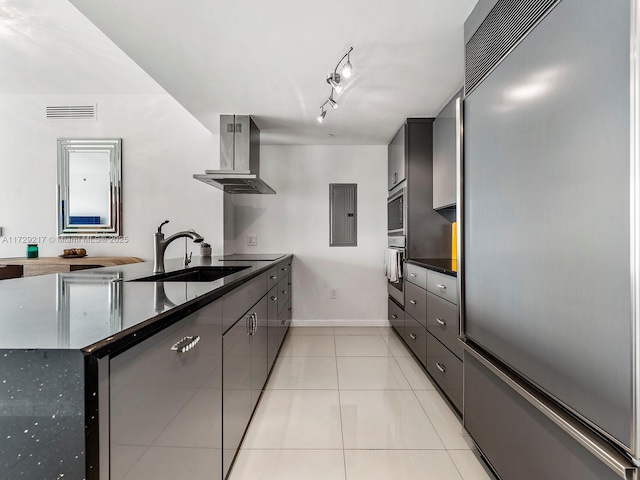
(245, 363)
(444, 350)
(396, 152)
(165, 405)
(428, 234)
(415, 311)
(444, 155)
(250, 347)
(279, 310)
(396, 317)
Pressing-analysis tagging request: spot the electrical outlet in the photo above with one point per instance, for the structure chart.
(334, 294)
(252, 240)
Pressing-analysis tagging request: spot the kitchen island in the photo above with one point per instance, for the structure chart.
(74, 344)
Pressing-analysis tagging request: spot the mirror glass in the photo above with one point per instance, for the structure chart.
(89, 181)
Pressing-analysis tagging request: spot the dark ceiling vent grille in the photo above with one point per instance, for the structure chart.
(504, 27)
(72, 112)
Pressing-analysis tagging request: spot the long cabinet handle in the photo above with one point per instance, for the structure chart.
(413, 336)
(412, 302)
(284, 322)
(441, 367)
(284, 292)
(273, 277)
(439, 285)
(441, 321)
(185, 344)
(394, 316)
(274, 298)
(412, 275)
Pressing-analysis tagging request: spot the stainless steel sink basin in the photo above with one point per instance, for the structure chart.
(194, 274)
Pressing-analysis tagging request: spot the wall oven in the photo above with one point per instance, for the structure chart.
(397, 213)
(395, 289)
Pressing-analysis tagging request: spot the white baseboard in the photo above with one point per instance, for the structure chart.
(341, 323)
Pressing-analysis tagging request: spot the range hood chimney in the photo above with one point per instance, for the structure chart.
(239, 158)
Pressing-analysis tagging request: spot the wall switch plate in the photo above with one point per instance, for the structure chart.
(252, 240)
(334, 294)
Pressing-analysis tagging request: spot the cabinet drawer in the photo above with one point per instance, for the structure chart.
(272, 277)
(283, 270)
(415, 302)
(283, 293)
(416, 275)
(442, 285)
(415, 336)
(443, 322)
(238, 301)
(396, 317)
(446, 369)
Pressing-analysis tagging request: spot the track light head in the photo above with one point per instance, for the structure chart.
(332, 102)
(322, 115)
(347, 70)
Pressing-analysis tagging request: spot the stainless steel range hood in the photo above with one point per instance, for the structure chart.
(239, 158)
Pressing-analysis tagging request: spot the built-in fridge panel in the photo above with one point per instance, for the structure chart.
(547, 275)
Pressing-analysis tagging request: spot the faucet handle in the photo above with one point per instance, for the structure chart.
(160, 227)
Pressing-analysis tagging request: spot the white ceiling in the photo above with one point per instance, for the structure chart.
(267, 58)
(47, 47)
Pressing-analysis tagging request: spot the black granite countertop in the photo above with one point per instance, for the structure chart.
(87, 310)
(447, 266)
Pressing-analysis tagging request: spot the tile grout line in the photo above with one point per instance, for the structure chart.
(344, 455)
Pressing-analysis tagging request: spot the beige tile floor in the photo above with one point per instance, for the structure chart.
(353, 404)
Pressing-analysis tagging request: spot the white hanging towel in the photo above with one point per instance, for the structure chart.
(393, 265)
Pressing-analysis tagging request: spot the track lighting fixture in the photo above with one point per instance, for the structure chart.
(332, 102)
(333, 79)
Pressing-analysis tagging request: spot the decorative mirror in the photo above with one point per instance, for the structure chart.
(89, 182)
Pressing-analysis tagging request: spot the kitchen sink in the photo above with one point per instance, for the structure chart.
(194, 274)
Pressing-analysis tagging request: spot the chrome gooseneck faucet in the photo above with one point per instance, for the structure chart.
(160, 244)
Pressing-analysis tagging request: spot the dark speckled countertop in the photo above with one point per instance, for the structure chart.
(447, 266)
(87, 310)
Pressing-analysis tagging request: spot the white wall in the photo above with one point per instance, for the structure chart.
(163, 146)
(296, 220)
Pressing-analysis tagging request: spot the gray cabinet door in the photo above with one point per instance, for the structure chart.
(273, 326)
(237, 389)
(259, 350)
(444, 156)
(396, 317)
(397, 158)
(165, 406)
(284, 321)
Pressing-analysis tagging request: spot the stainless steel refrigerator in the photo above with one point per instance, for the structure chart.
(549, 244)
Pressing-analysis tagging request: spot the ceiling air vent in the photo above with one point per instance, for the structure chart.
(72, 112)
(504, 27)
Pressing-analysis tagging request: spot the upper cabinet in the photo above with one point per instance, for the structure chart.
(444, 156)
(397, 158)
(428, 234)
